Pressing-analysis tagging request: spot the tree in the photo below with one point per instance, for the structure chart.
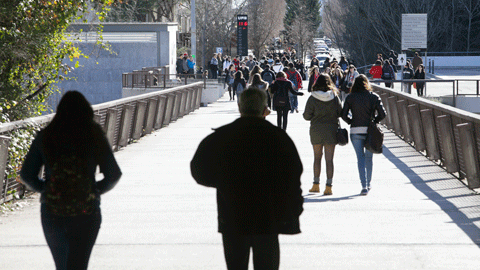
(265, 23)
(143, 10)
(302, 31)
(309, 9)
(33, 45)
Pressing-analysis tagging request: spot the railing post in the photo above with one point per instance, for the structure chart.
(430, 134)
(139, 119)
(4, 144)
(161, 108)
(416, 127)
(470, 158)
(388, 119)
(404, 120)
(150, 115)
(176, 106)
(169, 108)
(164, 78)
(392, 102)
(199, 97)
(125, 124)
(110, 123)
(448, 143)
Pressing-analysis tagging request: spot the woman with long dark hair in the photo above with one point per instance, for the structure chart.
(323, 110)
(71, 147)
(281, 102)
(420, 75)
(363, 105)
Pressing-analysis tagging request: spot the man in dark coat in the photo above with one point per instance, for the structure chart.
(256, 170)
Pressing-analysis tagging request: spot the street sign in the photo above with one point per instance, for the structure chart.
(402, 59)
(242, 35)
(414, 31)
(219, 50)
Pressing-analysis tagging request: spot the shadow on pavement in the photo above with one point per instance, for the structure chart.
(314, 198)
(453, 211)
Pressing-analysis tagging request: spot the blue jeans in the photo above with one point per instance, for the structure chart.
(364, 159)
(293, 103)
(71, 239)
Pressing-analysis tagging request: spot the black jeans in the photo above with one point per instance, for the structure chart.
(265, 249)
(282, 114)
(71, 239)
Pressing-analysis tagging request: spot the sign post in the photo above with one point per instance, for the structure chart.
(242, 35)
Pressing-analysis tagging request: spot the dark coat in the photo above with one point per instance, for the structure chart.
(362, 105)
(281, 89)
(256, 170)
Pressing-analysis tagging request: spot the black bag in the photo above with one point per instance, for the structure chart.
(280, 101)
(342, 136)
(374, 139)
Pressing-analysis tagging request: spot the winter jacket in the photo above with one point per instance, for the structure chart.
(280, 88)
(323, 110)
(256, 170)
(362, 105)
(376, 72)
(294, 76)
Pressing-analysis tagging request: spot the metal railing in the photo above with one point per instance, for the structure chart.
(122, 120)
(158, 78)
(445, 134)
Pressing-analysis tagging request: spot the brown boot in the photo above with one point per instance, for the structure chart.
(328, 190)
(315, 188)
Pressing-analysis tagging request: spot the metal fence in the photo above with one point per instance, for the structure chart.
(122, 120)
(158, 78)
(445, 134)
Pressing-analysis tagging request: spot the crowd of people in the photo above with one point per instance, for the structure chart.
(386, 70)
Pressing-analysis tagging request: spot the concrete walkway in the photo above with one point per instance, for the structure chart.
(416, 216)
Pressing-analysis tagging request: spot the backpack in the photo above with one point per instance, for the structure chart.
(69, 191)
(387, 73)
(239, 88)
(293, 78)
(268, 77)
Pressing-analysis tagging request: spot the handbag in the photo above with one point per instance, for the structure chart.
(374, 139)
(342, 135)
(280, 101)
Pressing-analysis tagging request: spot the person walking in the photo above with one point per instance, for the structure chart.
(281, 101)
(255, 70)
(349, 80)
(387, 73)
(277, 67)
(230, 79)
(294, 76)
(363, 104)
(417, 61)
(323, 109)
(420, 75)
(214, 66)
(239, 84)
(312, 77)
(226, 65)
(258, 83)
(70, 147)
(191, 66)
(258, 194)
(376, 71)
(245, 71)
(407, 74)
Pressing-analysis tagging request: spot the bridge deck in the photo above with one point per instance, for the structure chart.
(416, 217)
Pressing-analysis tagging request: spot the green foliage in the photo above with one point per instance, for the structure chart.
(33, 45)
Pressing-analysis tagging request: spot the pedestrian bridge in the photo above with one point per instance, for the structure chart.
(418, 215)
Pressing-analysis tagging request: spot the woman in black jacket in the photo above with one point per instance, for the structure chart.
(239, 84)
(281, 102)
(363, 105)
(420, 75)
(71, 147)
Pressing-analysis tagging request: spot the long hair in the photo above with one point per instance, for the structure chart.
(324, 83)
(312, 71)
(257, 79)
(256, 69)
(361, 84)
(238, 75)
(72, 130)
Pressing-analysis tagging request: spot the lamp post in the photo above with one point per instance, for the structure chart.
(193, 37)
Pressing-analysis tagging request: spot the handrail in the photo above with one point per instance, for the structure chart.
(122, 120)
(443, 133)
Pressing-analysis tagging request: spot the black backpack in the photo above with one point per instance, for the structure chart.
(69, 191)
(268, 77)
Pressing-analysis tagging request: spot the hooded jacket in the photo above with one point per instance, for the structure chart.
(323, 108)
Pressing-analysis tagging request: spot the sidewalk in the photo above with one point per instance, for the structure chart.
(416, 216)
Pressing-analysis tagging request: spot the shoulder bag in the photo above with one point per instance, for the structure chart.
(374, 139)
(342, 135)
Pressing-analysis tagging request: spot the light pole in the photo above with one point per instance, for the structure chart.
(193, 37)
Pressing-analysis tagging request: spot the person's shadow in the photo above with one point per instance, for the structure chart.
(316, 198)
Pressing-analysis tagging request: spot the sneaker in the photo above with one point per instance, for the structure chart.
(364, 192)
